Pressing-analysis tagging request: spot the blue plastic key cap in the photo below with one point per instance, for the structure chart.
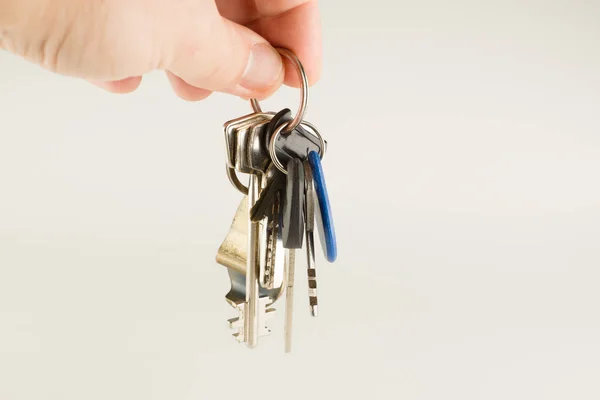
(323, 216)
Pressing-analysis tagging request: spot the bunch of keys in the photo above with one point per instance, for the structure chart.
(285, 202)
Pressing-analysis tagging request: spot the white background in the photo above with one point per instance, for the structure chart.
(463, 166)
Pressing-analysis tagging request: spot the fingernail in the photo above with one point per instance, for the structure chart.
(263, 69)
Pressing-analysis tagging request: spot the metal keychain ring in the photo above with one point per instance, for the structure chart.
(235, 181)
(303, 90)
(279, 131)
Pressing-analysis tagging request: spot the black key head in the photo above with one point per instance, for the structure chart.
(275, 182)
(295, 144)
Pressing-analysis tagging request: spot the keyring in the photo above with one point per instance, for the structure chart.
(279, 131)
(294, 123)
(235, 181)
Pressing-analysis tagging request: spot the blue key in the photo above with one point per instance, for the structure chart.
(323, 216)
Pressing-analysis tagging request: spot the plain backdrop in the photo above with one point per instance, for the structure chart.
(463, 166)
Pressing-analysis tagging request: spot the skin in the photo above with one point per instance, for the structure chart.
(202, 45)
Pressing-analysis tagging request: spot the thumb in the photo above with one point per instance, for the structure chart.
(226, 57)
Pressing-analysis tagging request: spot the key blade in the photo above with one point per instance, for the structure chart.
(310, 197)
(309, 213)
(272, 272)
(312, 274)
(293, 206)
(252, 271)
(290, 255)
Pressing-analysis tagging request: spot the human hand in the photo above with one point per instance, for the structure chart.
(203, 45)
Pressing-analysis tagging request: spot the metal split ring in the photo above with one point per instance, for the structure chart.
(295, 122)
(279, 131)
(235, 181)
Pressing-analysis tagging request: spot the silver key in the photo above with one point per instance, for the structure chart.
(272, 271)
(290, 258)
(309, 215)
(264, 314)
(291, 215)
(252, 270)
(246, 153)
(233, 254)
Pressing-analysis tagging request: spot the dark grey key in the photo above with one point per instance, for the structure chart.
(275, 182)
(292, 221)
(274, 179)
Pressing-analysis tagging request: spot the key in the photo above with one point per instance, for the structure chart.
(247, 153)
(292, 222)
(274, 178)
(323, 214)
(309, 216)
(252, 270)
(293, 206)
(274, 183)
(272, 270)
(233, 254)
(264, 314)
(290, 257)
(268, 204)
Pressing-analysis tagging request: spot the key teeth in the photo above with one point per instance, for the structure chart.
(234, 323)
(265, 314)
(238, 337)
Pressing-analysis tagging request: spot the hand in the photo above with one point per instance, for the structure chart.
(203, 45)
